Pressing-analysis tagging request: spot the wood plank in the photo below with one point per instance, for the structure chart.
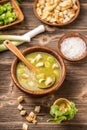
(74, 87)
(18, 126)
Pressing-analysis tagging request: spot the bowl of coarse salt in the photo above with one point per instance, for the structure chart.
(73, 46)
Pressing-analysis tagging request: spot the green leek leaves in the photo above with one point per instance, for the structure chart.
(59, 116)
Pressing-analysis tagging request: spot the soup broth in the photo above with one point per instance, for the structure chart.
(48, 72)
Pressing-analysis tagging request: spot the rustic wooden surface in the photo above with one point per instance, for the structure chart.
(74, 87)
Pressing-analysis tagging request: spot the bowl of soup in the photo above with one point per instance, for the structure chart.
(49, 73)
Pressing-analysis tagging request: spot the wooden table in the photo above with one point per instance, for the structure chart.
(74, 87)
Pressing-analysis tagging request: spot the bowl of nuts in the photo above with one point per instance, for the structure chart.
(57, 12)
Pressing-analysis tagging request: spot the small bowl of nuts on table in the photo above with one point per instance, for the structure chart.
(57, 12)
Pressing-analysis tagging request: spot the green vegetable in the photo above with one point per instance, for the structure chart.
(2, 9)
(8, 7)
(54, 111)
(47, 64)
(7, 14)
(59, 116)
(3, 47)
(50, 59)
(1, 22)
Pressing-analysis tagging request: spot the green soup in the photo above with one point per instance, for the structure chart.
(48, 72)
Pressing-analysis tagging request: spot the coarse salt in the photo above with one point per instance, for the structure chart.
(73, 47)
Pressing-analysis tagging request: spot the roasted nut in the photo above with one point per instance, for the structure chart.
(75, 7)
(39, 11)
(29, 119)
(66, 19)
(34, 121)
(53, 20)
(20, 107)
(60, 20)
(74, 1)
(38, 5)
(37, 109)
(71, 13)
(51, 2)
(57, 1)
(65, 12)
(46, 4)
(61, 14)
(23, 113)
(25, 126)
(41, 2)
(45, 15)
(55, 11)
(20, 99)
(66, 4)
(58, 8)
(48, 19)
(42, 7)
(51, 8)
(32, 114)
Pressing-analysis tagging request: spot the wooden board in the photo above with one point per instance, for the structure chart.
(74, 87)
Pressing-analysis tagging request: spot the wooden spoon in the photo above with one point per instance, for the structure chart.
(15, 50)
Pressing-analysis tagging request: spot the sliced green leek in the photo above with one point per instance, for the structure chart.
(3, 47)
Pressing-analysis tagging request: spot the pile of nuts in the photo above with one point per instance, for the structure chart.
(31, 117)
(56, 11)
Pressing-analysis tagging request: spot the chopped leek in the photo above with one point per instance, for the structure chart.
(59, 116)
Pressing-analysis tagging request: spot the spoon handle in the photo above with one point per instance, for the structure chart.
(15, 50)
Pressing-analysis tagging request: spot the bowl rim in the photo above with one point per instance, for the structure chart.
(38, 49)
(72, 34)
(16, 9)
(57, 100)
(48, 23)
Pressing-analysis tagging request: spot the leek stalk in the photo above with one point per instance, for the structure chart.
(30, 35)
(14, 38)
(4, 48)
